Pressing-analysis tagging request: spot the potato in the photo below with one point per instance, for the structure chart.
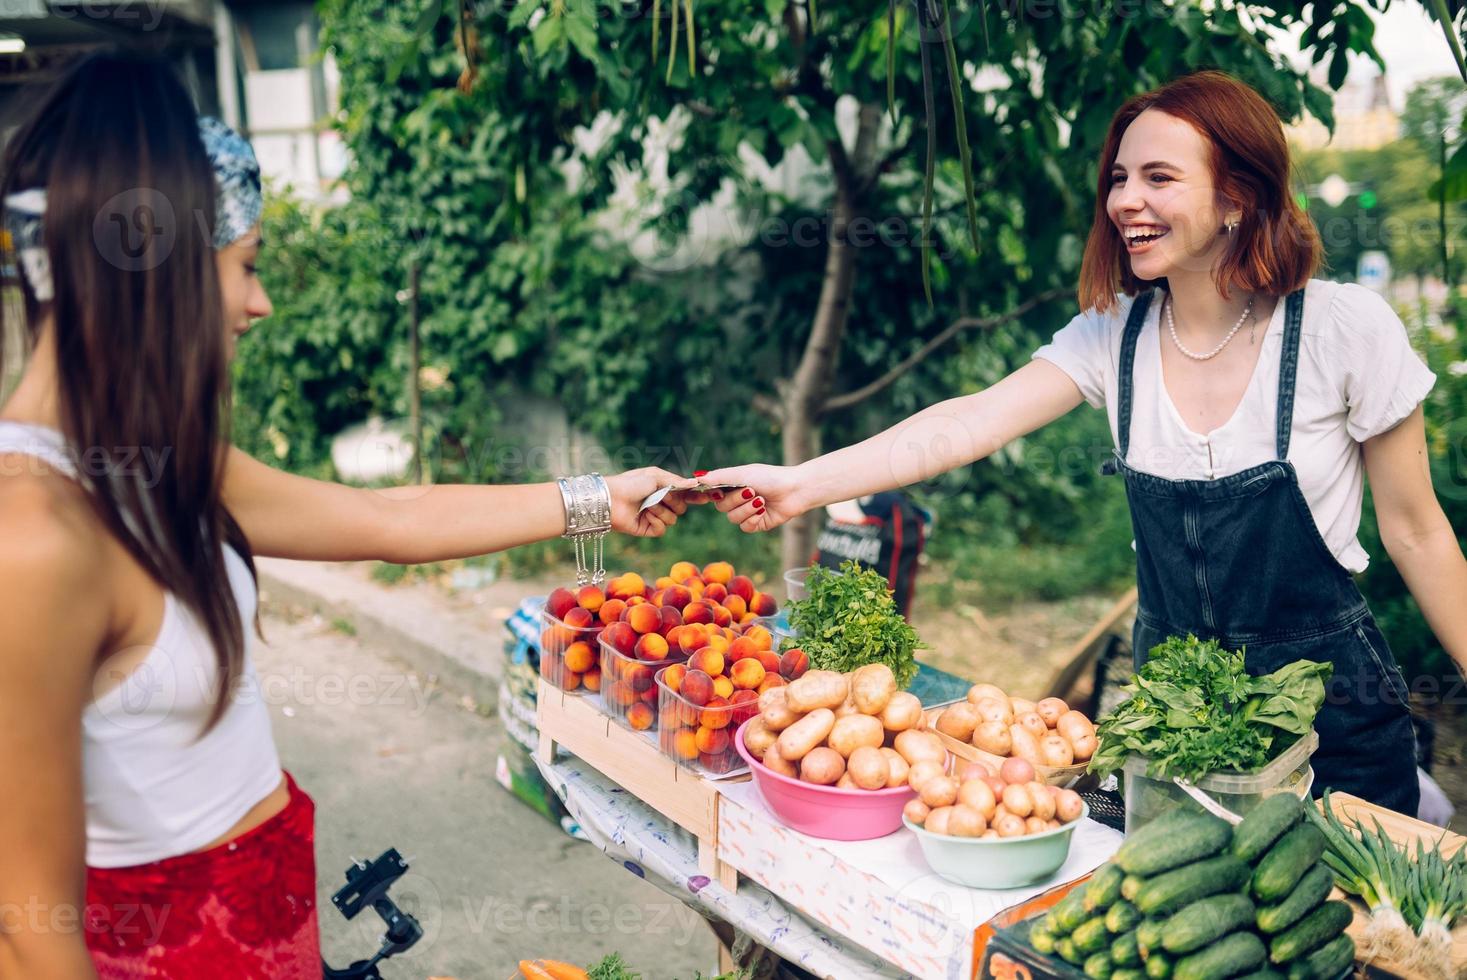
(846, 782)
(758, 737)
(1052, 825)
(965, 821)
(939, 791)
(1072, 725)
(1069, 806)
(896, 767)
(1009, 826)
(916, 746)
(1050, 710)
(854, 731)
(978, 692)
(778, 763)
(937, 819)
(990, 833)
(958, 721)
(847, 708)
(775, 710)
(992, 709)
(1032, 723)
(867, 766)
(1054, 750)
(823, 766)
(798, 739)
(872, 687)
(993, 736)
(902, 712)
(996, 784)
(1016, 800)
(975, 770)
(916, 811)
(1016, 771)
(1020, 706)
(978, 795)
(922, 771)
(1026, 746)
(1043, 801)
(1084, 747)
(816, 689)
(1035, 825)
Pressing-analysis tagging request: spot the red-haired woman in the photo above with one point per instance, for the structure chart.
(1248, 403)
(147, 829)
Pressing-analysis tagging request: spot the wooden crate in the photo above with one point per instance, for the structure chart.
(577, 724)
(1053, 775)
(1407, 831)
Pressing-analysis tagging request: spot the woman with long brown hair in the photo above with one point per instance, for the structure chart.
(148, 829)
(1249, 403)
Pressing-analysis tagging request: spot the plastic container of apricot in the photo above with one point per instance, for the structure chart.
(568, 657)
(699, 737)
(629, 687)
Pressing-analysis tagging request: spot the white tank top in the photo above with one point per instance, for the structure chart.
(154, 788)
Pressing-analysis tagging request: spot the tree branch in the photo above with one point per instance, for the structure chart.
(768, 407)
(850, 398)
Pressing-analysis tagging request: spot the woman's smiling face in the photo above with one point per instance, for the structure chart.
(1162, 198)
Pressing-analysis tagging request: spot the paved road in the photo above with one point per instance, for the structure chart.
(391, 763)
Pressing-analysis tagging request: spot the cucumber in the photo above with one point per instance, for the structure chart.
(1070, 910)
(1122, 917)
(1267, 822)
(1264, 974)
(1124, 951)
(1312, 932)
(1127, 973)
(1130, 886)
(1312, 889)
(1170, 891)
(1327, 963)
(1105, 888)
(1206, 920)
(1091, 936)
(1050, 924)
(1242, 952)
(1158, 966)
(1041, 940)
(1154, 832)
(1286, 862)
(1180, 841)
(1098, 966)
(1148, 934)
(1065, 947)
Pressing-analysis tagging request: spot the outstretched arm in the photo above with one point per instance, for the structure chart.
(939, 438)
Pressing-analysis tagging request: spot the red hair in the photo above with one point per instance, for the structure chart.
(1274, 250)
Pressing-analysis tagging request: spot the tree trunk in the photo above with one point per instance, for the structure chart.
(804, 397)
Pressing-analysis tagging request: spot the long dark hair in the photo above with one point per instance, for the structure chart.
(139, 331)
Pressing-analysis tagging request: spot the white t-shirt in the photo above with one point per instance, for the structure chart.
(1358, 377)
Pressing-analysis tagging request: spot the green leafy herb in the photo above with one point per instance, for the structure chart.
(613, 967)
(849, 619)
(1194, 709)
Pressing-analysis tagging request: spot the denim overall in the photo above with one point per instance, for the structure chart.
(1240, 560)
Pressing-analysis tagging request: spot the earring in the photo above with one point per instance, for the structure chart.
(1231, 226)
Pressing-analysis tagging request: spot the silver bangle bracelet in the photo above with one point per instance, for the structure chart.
(587, 501)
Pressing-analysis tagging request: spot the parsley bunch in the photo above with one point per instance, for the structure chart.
(1194, 709)
(849, 619)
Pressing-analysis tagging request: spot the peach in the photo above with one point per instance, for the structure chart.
(769, 660)
(592, 680)
(590, 598)
(793, 663)
(691, 637)
(621, 638)
(741, 648)
(632, 584)
(681, 571)
(697, 686)
(711, 741)
(623, 694)
(747, 618)
(560, 602)
(579, 657)
(570, 680)
(736, 606)
(718, 571)
(645, 618)
(640, 717)
(695, 582)
(578, 618)
(715, 593)
(556, 639)
(747, 674)
(651, 646)
(698, 612)
(771, 679)
(636, 600)
(641, 678)
(664, 582)
(671, 619)
(673, 676)
(688, 714)
(741, 586)
(716, 713)
(763, 604)
(760, 637)
(746, 705)
(685, 744)
(667, 717)
(649, 696)
(719, 642)
(611, 611)
(722, 616)
(723, 687)
(708, 660)
(677, 597)
(657, 598)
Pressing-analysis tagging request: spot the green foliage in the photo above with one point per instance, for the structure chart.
(848, 620)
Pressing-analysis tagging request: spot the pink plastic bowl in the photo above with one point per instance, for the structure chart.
(824, 811)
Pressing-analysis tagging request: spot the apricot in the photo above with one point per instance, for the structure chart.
(636, 600)
(685, 744)
(719, 642)
(667, 717)
(590, 598)
(611, 611)
(718, 571)
(793, 663)
(645, 618)
(579, 657)
(651, 646)
(698, 612)
(723, 687)
(715, 593)
(621, 638)
(649, 696)
(763, 604)
(663, 582)
(741, 586)
(760, 637)
(556, 639)
(640, 717)
(771, 679)
(551, 666)
(691, 637)
(677, 597)
(592, 680)
(560, 602)
(640, 678)
(681, 571)
(746, 705)
(579, 619)
(708, 660)
(632, 584)
(671, 619)
(697, 686)
(622, 694)
(769, 660)
(747, 618)
(747, 674)
(717, 713)
(722, 616)
(673, 676)
(711, 741)
(570, 680)
(736, 606)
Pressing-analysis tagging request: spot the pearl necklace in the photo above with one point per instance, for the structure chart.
(1171, 322)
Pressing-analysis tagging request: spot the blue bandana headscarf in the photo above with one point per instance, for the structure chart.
(239, 203)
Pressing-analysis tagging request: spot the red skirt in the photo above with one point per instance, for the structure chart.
(246, 908)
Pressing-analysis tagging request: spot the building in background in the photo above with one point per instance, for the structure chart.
(1364, 118)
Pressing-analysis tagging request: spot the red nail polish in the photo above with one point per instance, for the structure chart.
(748, 494)
(759, 503)
(700, 472)
(717, 495)
(758, 510)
